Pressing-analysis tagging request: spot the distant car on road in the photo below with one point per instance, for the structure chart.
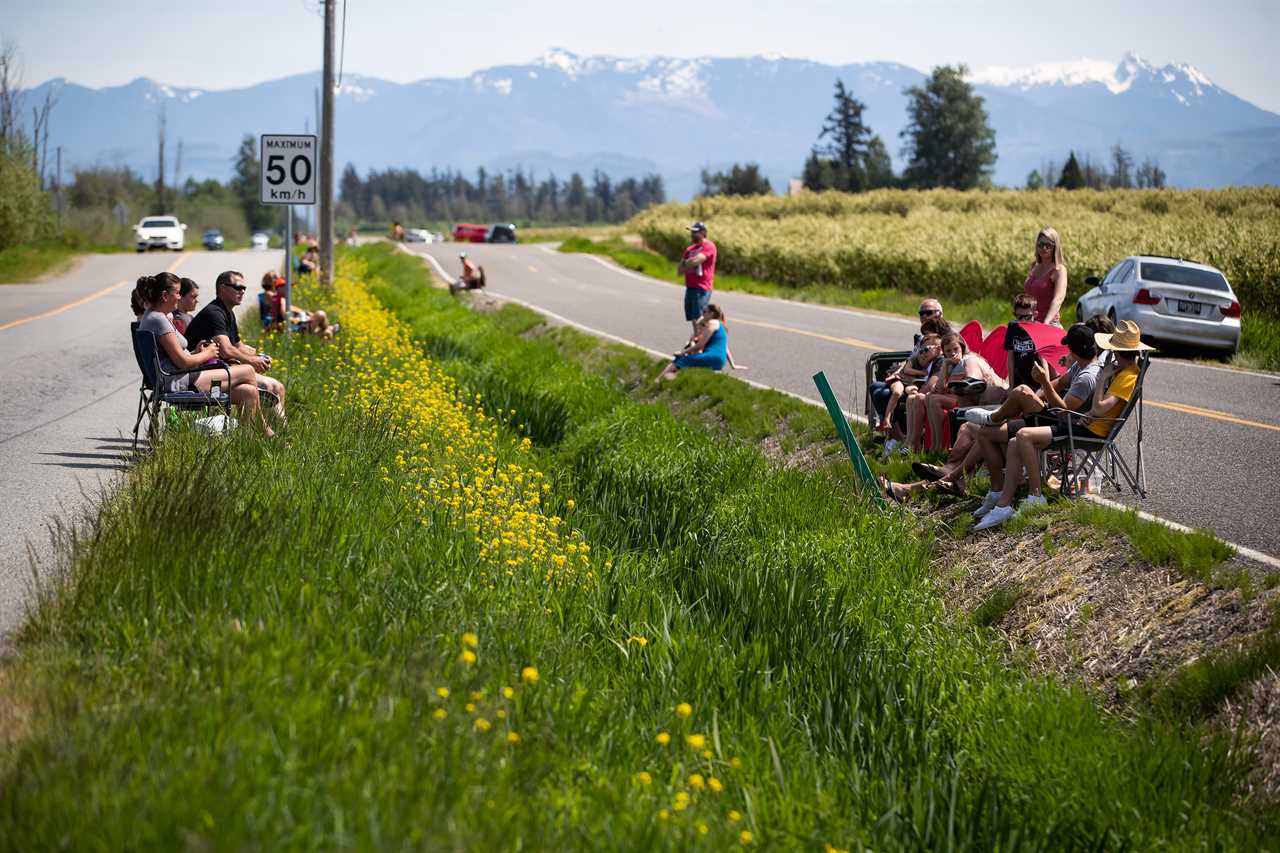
(260, 240)
(468, 232)
(418, 235)
(1171, 299)
(212, 239)
(160, 232)
(501, 232)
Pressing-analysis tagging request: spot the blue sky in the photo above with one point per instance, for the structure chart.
(231, 43)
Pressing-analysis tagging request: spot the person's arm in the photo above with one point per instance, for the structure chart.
(1104, 402)
(179, 357)
(1049, 389)
(690, 263)
(728, 354)
(1059, 293)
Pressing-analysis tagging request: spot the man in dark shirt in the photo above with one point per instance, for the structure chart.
(217, 322)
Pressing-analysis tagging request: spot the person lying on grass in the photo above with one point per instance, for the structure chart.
(709, 347)
(1118, 379)
(904, 378)
(159, 297)
(271, 307)
(978, 444)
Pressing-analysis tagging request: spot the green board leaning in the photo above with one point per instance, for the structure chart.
(860, 466)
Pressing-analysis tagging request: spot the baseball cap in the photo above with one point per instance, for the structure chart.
(698, 226)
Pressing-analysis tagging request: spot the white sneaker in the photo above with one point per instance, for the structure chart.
(1031, 501)
(988, 503)
(981, 417)
(904, 450)
(996, 517)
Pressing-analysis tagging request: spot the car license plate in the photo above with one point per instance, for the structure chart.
(1185, 307)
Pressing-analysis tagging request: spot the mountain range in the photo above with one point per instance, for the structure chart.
(564, 112)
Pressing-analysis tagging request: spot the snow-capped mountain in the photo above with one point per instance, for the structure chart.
(627, 115)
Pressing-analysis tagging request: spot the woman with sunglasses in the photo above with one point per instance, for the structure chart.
(1047, 279)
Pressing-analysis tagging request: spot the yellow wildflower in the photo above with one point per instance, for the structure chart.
(529, 675)
(745, 836)
(734, 815)
(684, 709)
(440, 713)
(513, 738)
(469, 708)
(663, 814)
(467, 656)
(696, 781)
(442, 692)
(507, 692)
(470, 639)
(638, 640)
(696, 741)
(644, 778)
(663, 738)
(714, 784)
(481, 724)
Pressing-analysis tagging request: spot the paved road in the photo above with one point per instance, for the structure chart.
(1212, 438)
(68, 396)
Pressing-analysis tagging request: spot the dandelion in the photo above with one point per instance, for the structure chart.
(513, 738)
(570, 503)
(442, 692)
(470, 708)
(714, 784)
(696, 781)
(477, 695)
(467, 656)
(745, 836)
(644, 778)
(696, 741)
(681, 801)
(663, 814)
(638, 640)
(734, 815)
(703, 829)
(735, 763)
(471, 640)
(481, 724)
(706, 753)
(529, 675)
(684, 709)
(440, 713)
(507, 692)
(663, 738)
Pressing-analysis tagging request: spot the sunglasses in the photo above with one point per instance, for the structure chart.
(239, 288)
(928, 312)
(1044, 245)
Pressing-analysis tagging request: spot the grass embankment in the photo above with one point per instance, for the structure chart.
(29, 263)
(254, 656)
(968, 248)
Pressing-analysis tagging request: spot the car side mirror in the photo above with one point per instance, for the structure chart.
(1092, 281)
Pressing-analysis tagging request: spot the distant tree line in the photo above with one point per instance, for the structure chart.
(1079, 173)
(408, 196)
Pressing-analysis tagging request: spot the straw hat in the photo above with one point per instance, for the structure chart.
(1126, 338)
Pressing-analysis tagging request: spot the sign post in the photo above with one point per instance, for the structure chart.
(860, 467)
(288, 177)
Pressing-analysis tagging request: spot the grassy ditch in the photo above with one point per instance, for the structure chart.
(28, 263)
(480, 598)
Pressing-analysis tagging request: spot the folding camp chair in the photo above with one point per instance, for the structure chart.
(1082, 452)
(150, 396)
(877, 367)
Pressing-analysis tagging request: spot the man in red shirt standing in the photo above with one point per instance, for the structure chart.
(699, 268)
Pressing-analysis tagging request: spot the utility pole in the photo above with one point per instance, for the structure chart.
(326, 150)
(58, 191)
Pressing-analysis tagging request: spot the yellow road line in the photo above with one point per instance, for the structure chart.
(1210, 413)
(849, 342)
(1173, 407)
(82, 300)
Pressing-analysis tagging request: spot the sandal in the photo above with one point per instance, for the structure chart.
(926, 471)
(950, 487)
(887, 488)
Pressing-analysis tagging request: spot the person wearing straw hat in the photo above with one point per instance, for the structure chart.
(698, 265)
(1117, 381)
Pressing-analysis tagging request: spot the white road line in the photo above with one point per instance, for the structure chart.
(1242, 551)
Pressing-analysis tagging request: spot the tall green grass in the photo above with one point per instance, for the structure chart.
(249, 650)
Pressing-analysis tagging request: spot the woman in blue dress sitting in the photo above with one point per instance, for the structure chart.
(709, 347)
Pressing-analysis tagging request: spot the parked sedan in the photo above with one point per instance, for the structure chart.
(212, 239)
(1171, 299)
(260, 240)
(418, 235)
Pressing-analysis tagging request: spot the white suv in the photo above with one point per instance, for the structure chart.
(160, 232)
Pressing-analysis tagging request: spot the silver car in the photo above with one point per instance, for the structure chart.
(1171, 299)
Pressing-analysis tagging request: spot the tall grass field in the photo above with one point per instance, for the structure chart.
(477, 598)
(972, 246)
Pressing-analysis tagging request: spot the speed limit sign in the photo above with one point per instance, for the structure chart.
(288, 168)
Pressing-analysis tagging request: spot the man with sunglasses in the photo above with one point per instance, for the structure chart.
(217, 322)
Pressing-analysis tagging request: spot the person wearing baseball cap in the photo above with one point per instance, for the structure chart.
(698, 265)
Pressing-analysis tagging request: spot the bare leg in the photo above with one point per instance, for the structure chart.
(1012, 471)
(895, 394)
(246, 397)
(668, 373)
(915, 421)
(1033, 441)
(1021, 401)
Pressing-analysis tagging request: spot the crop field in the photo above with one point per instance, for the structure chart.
(970, 246)
(478, 598)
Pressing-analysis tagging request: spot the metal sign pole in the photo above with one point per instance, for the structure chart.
(288, 269)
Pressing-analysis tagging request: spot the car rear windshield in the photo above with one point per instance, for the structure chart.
(1185, 276)
(158, 223)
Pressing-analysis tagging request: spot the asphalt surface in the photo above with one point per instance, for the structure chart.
(68, 399)
(1211, 436)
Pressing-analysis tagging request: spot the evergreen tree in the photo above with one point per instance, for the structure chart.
(739, 180)
(949, 142)
(1072, 177)
(819, 173)
(847, 138)
(1121, 167)
(245, 185)
(879, 166)
(1034, 181)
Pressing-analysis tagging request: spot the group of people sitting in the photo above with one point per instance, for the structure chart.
(1002, 424)
(274, 313)
(164, 305)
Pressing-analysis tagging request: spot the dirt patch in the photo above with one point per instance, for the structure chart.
(1089, 609)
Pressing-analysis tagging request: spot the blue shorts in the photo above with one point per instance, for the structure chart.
(711, 361)
(695, 302)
